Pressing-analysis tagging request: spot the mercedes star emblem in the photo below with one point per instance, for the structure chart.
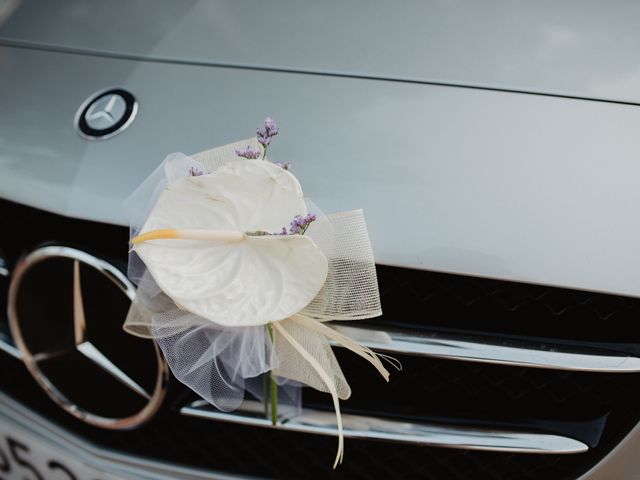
(66, 309)
(106, 113)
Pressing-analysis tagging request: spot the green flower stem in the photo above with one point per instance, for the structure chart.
(274, 400)
(274, 388)
(265, 393)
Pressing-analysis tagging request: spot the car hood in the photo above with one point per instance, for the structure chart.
(531, 188)
(570, 48)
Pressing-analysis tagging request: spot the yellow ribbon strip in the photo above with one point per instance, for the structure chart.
(189, 234)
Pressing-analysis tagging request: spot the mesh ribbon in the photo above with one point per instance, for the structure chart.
(220, 362)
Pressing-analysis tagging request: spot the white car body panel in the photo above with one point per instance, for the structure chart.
(574, 48)
(521, 187)
(622, 462)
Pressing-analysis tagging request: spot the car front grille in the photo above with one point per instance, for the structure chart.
(434, 388)
(457, 303)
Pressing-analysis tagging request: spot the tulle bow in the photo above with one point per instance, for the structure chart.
(221, 361)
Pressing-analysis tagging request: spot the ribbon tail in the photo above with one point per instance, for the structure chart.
(345, 341)
(326, 378)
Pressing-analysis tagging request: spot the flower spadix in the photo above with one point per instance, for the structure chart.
(200, 245)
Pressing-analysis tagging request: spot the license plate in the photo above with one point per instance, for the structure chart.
(25, 457)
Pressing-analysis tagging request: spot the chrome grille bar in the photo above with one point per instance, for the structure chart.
(373, 428)
(487, 351)
(7, 346)
(463, 350)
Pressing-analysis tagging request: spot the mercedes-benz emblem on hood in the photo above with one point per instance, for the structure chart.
(106, 113)
(66, 310)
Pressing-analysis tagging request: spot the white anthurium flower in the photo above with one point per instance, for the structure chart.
(200, 245)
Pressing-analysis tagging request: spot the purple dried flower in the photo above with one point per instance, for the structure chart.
(269, 131)
(264, 141)
(195, 172)
(271, 126)
(298, 225)
(249, 153)
(284, 166)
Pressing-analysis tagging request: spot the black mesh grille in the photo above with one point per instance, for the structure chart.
(444, 302)
(427, 389)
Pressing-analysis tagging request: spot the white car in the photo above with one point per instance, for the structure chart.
(494, 147)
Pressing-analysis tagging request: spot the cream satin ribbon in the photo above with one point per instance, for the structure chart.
(329, 333)
(350, 291)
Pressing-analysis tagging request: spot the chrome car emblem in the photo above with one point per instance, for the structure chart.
(66, 309)
(106, 113)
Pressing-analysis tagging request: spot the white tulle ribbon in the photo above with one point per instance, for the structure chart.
(206, 293)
